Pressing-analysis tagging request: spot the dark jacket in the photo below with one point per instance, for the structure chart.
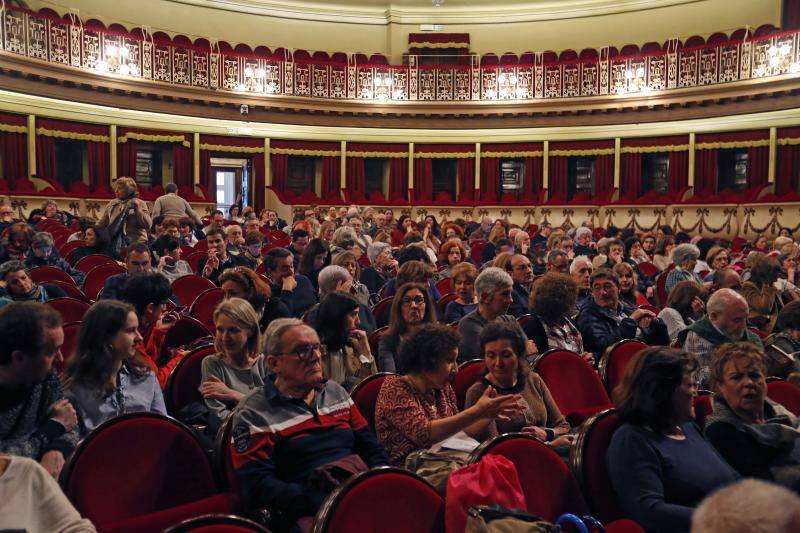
(519, 301)
(232, 261)
(373, 278)
(600, 329)
(300, 299)
(55, 261)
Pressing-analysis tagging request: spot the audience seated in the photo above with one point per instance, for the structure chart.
(299, 242)
(168, 250)
(36, 421)
(50, 211)
(43, 253)
(606, 320)
(748, 505)
(238, 366)
(349, 261)
(786, 335)
(6, 217)
(315, 258)
(241, 282)
(411, 307)
(756, 436)
(451, 253)
(686, 305)
(383, 266)
(659, 463)
(20, 237)
(463, 280)
(97, 242)
(296, 292)
(293, 435)
(107, 376)
(662, 253)
(629, 285)
(218, 258)
(764, 300)
(725, 321)
(418, 410)
(685, 257)
(581, 271)
(138, 260)
(19, 286)
(346, 357)
(421, 270)
(522, 275)
(507, 372)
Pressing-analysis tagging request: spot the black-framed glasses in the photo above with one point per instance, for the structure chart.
(419, 300)
(304, 352)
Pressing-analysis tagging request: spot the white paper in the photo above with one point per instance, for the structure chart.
(460, 441)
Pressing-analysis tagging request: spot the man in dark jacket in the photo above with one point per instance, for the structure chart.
(606, 320)
(296, 291)
(522, 274)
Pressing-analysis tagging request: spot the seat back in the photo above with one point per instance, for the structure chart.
(444, 285)
(703, 407)
(194, 258)
(375, 338)
(476, 251)
(68, 249)
(97, 276)
(70, 309)
(187, 288)
(136, 464)
(184, 380)
(203, 306)
(185, 331)
(648, 269)
(382, 311)
(386, 499)
(615, 360)
(71, 330)
(549, 487)
(444, 300)
(45, 274)
(573, 383)
(86, 264)
(365, 395)
(469, 372)
(587, 461)
(217, 523)
(785, 393)
(70, 290)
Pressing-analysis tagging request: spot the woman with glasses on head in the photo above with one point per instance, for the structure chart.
(238, 366)
(244, 283)
(411, 308)
(107, 377)
(660, 464)
(347, 357)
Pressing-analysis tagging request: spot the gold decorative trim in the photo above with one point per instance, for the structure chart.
(234, 149)
(396, 155)
(443, 155)
(154, 138)
(596, 151)
(297, 151)
(533, 153)
(11, 128)
(72, 135)
(452, 44)
(789, 141)
(654, 149)
(731, 144)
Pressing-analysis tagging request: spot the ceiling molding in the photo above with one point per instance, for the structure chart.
(487, 13)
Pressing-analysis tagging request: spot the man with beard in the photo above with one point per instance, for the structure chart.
(522, 275)
(725, 321)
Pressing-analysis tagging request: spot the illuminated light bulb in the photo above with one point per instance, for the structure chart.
(262, 73)
(102, 65)
(389, 81)
(512, 79)
(760, 71)
(620, 90)
(241, 87)
(521, 92)
(785, 49)
(124, 51)
(248, 71)
(397, 94)
(111, 50)
(646, 90)
(383, 97)
(124, 70)
(369, 94)
(774, 61)
(490, 94)
(377, 81)
(259, 88)
(773, 50)
(502, 77)
(134, 69)
(271, 87)
(640, 72)
(503, 93)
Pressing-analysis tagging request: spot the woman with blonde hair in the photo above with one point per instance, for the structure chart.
(238, 366)
(127, 217)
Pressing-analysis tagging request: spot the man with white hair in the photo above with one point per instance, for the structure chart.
(482, 233)
(583, 242)
(383, 266)
(493, 288)
(725, 321)
(748, 506)
(335, 278)
(581, 271)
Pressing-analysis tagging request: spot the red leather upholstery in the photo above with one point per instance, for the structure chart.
(216, 523)
(382, 311)
(160, 520)
(184, 380)
(45, 274)
(385, 499)
(70, 289)
(97, 276)
(365, 395)
(614, 362)
(786, 394)
(187, 288)
(203, 306)
(185, 331)
(70, 309)
(703, 407)
(86, 264)
(574, 385)
(468, 373)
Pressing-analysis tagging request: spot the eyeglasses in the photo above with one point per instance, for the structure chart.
(304, 352)
(419, 300)
(607, 287)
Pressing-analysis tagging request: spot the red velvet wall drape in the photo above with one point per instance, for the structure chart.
(757, 166)
(604, 175)
(279, 165)
(490, 180)
(126, 159)
(15, 156)
(331, 179)
(423, 180)
(631, 176)
(98, 152)
(182, 167)
(466, 179)
(678, 174)
(259, 182)
(558, 178)
(786, 175)
(705, 172)
(207, 174)
(356, 186)
(398, 180)
(532, 184)
(99, 166)
(46, 157)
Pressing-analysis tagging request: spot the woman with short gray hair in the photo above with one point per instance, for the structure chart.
(685, 257)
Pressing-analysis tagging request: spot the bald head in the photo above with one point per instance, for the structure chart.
(728, 278)
(728, 310)
(750, 505)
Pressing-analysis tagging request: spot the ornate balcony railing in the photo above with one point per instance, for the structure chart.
(138, 54)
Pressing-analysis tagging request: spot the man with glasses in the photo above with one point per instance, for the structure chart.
(606, 319)
(298, 433)
(522, 275)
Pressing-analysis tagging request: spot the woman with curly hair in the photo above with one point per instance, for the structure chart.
(451, 254)
(464, 275)
(20, 237)
(453, 231)
(552, 301)
(242, 282)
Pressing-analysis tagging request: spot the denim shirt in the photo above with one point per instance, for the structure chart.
(131, 395)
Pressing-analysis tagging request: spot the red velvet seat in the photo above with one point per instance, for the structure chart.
(703, 407)
(385, 499)
(785, 393)
(615, 360)
(187, 288)
(70, 290)
(444, 285)
(71, 330)
(45, 274)
(217, 523)
(203, 306)
(70, 309)
(201, 246)
(575, 386)
(476, 251)
(185, 331)
(444, 300)
(97, 277)
(67, 250)
(87, 263)
(194, 258)
(141, 472)
(365, 395)
(382, 311)
(469, 372)
(375, 338)
(184, 380)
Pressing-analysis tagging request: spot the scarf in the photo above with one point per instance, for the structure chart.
(37, 294)
(705, 329)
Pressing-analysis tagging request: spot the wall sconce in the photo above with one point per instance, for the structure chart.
(382, 88)
(253, 80)
(117, 60)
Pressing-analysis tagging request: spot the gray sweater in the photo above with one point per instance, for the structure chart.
(470, 328)
(172, 205)
(238, 379)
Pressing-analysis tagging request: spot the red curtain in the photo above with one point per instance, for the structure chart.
(757, 166)
(787, 169)
(559, 181)
(182, 166)
(279, 164)
(259, 182)
(705, 172)
(46, 157)
(490, 179)
(331, 179)
(14, 147)
(532, 183)
(398, 180)
(207, 174)
(604, 175)
(356, 186)
(423, 180)
(99, 167)
(631, 175)
(678, 173)
(126, 159)
(466, 179)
